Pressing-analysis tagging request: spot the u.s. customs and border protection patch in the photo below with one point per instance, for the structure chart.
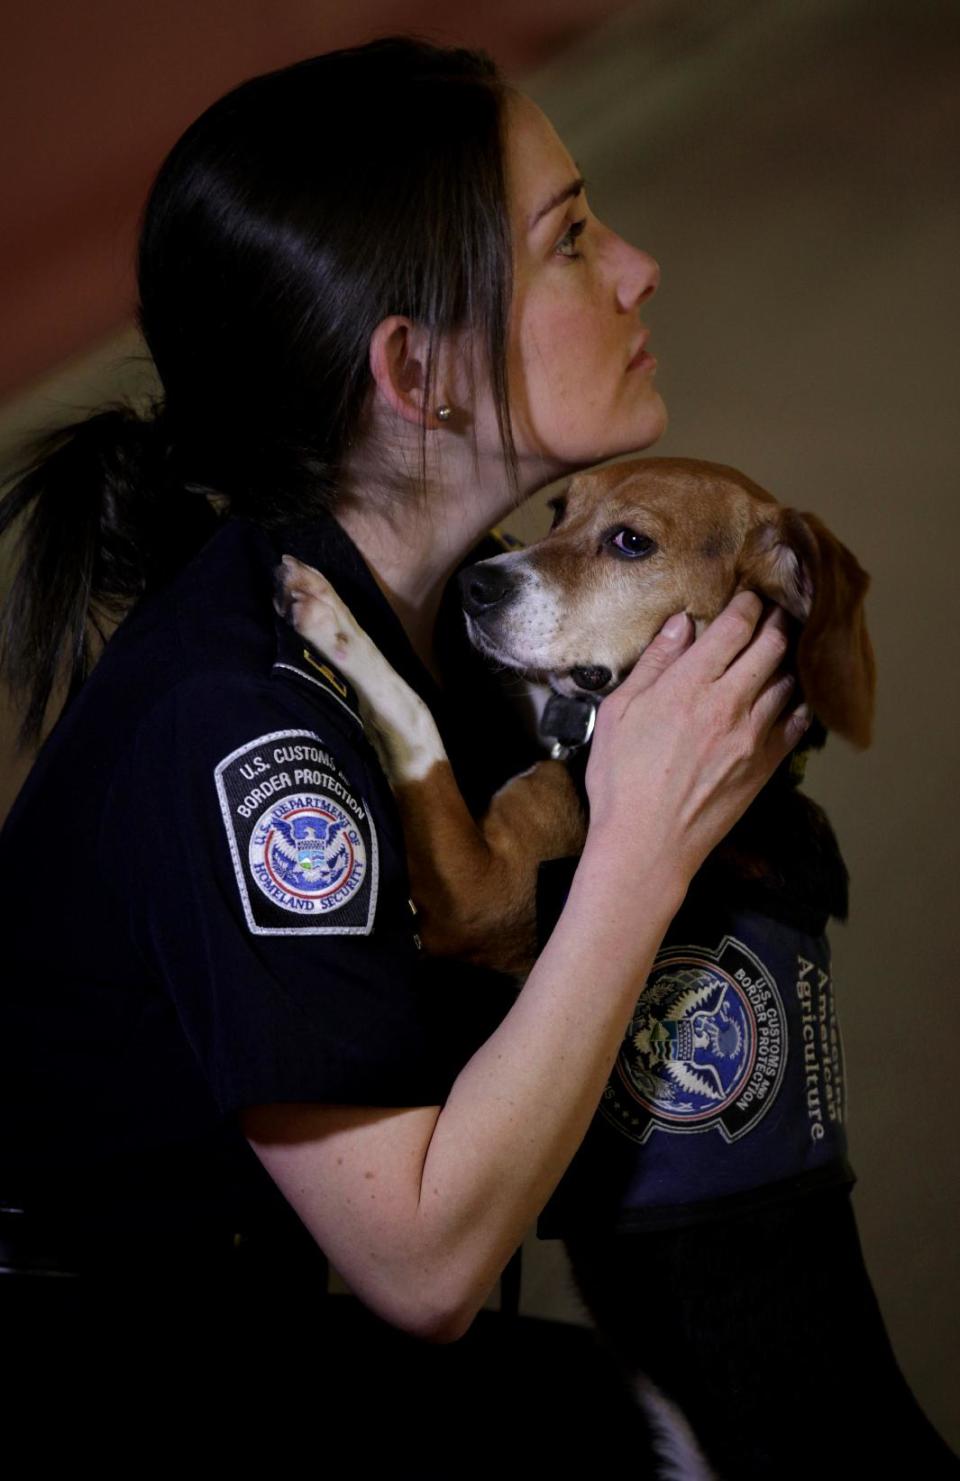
(303, 846)
(706, 1046)
(728, 1085)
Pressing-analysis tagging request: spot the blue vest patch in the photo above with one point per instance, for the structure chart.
(729, 1079)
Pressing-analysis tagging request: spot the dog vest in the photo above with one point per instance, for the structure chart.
(729, 1085)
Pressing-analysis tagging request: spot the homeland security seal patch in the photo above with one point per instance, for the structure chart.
(303, 847)
(706, 1046)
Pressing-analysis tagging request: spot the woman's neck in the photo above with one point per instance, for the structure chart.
(411, 556)
(412, 546)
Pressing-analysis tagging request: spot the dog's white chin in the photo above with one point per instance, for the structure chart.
(559, 680)
(485, 645)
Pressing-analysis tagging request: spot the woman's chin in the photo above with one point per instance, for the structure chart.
(637, 435)
(638, 432)
(632, 435)
(654, 423)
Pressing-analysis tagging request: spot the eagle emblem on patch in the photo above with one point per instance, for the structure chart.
(302, 844)
(705, 1048)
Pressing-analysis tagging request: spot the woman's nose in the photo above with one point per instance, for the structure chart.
(639, 277)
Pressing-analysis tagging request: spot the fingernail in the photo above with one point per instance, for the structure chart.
(675, 626)
(802, 716)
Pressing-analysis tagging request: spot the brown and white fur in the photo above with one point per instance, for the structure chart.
(632, 543)
(576, 611)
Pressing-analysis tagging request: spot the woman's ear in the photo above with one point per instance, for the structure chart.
(398, 364)
(794, 560)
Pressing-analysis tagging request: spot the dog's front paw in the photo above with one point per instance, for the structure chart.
(309, 603)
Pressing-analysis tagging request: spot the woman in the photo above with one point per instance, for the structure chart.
(378, 328)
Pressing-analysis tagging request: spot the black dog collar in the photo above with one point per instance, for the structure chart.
(567, 724)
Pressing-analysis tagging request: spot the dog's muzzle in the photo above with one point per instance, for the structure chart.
(484, 587)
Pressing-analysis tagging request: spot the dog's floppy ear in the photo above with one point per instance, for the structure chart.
(794, 560)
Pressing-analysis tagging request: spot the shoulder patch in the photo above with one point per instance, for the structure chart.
(303, 846)
(300, 659)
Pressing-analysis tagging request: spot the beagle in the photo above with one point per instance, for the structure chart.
(631, 543)
(748, 1325)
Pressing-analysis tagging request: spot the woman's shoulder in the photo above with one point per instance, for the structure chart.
(243, 753)
(207, 661)
(180, 707)
(255, 736)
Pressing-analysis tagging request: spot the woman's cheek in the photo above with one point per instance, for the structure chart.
(563, 400)
(564, 377)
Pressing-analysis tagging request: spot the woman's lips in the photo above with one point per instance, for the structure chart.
(643, 360)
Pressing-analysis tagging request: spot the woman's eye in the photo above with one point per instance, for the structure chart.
(569, 237)
(630, 544)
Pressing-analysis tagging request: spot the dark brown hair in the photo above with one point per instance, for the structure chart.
(290, 218)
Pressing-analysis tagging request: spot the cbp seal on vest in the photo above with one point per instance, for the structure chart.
(303, 846)
(705, 1048)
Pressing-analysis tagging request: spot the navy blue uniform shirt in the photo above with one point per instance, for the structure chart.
(208, 906)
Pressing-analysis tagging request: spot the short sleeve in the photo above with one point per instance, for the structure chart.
(265, 867)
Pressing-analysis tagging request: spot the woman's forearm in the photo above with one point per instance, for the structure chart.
(521, 1106)
(420, 1208)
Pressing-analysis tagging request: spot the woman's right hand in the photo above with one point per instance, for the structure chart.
(685, 743)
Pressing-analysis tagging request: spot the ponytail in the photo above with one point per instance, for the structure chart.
(101, 518)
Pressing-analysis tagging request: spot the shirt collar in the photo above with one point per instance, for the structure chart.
(322, 541)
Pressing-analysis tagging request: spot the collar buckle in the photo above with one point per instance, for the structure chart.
(566, 724)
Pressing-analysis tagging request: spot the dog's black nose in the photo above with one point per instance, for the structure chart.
(483, 587)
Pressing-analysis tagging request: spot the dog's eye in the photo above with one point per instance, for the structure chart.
(559, 507)
(630, 544)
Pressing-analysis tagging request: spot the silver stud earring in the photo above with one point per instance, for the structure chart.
(444, 413)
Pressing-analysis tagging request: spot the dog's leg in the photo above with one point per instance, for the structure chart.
(674, 1443)
(475, 886)
(398, 722)
(479, 893)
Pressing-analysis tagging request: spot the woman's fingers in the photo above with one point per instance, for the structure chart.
(674, 638)
(754, 666)
(791, 725)
(772, 701)
(741, 642)
(730, 632)
(778, 720)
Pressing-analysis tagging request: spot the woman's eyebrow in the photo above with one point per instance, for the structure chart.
(567, 193)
